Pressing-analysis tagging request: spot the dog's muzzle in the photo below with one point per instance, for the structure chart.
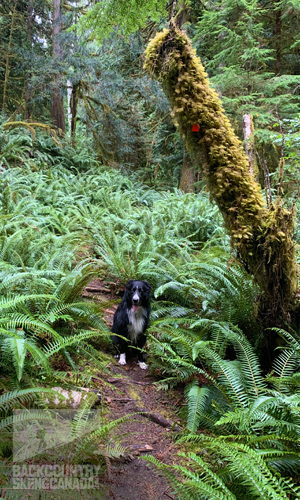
(135, 301)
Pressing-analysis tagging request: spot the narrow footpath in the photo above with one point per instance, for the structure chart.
(128, 390)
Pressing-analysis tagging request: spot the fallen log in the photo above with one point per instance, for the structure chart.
(159, 419)
(127, 381)
(96, 289)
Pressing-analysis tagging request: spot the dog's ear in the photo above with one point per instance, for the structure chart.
(147, 285)
(129, 284)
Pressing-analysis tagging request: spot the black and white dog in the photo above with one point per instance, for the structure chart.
(131, 320)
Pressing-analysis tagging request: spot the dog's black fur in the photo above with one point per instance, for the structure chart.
(131, 320)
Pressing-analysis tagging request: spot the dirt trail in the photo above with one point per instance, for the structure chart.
(129, 389)
(131, 478)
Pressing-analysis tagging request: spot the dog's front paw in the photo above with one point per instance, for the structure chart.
(122, 360)
(143, 365)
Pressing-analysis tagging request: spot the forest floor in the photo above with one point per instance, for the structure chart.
(126, 390)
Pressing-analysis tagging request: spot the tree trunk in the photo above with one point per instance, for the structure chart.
(278, 28)
(261, 235)
(30, 14)
(8, 56)
(248, 129)
(182, 16)
(57, 105)
(74, 103)
(92, 117)
(69, 97)
(187, 178)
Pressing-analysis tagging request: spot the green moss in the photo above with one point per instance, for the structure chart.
(261, 235)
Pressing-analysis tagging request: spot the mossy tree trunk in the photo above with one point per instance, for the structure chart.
(260, 234)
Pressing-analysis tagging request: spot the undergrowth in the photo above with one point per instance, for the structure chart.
(65, 220)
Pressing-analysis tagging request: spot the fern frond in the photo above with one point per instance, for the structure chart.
(284, 367)
(227, 374)
(250, 368)
(7, 303)
(14, 399)
(18, 320)
(196, 398)
(293, 340)
(205, 484)
(56, 346)
(244, 468)
(115, 450)
(16, 348)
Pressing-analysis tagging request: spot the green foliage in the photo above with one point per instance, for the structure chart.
(54, 220)
(128, 114)
(249, 51)
(289, 139)
(128, 16)
(61, 227)
(24, 61)
(65, 220)
(41, 311)
(253, 445)
(234, 471)
(121, 114)
(21, 398)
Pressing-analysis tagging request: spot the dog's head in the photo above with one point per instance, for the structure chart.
(138, 293)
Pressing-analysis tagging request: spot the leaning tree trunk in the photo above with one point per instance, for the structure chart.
(261, 235)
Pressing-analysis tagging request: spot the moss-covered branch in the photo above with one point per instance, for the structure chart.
(31, 125)
(261, 235)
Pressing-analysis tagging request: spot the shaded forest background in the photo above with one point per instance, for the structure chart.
(101, 96)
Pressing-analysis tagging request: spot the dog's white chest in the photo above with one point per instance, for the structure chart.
(136, 323)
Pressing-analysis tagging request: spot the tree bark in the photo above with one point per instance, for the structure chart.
(74, 103)
(69, 96)
(187, 178)
(182, 15)
(278, 28)
(261, 235)
(30, 13)
(8, 56)
(248, 129)
(57, 105)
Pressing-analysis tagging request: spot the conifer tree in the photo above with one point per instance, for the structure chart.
(57, 106)
(25, 38)
(251, 52)
(30, 23)
(12, 22)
